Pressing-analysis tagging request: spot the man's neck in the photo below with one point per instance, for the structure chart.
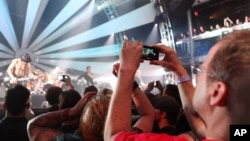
(164, 123)
(218, 126)
(7, 114)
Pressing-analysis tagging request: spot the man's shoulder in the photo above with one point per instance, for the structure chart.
(16, 60)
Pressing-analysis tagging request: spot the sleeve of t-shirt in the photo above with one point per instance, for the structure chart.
(132, 136)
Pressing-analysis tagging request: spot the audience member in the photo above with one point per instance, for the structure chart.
(52, 96)
(67, 81)
(93, 118)
(154, 85)
(68, 99)
(202, 29)
(237, 21)
(91, 88)
(45, 126)
(246, 19)
(172, 90)
(195, 32)
(166, 112)
(228, 22)
(13, 125)
(139, 103)
(181, 123)
(211, 27)
(217, 26)
(105, 91)
(219, 100)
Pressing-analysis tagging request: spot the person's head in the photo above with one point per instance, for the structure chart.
(172, 90)
(223, 84)
(26, 58)
(105, 91)
(52, 95)
(68, 98)
(91, 88)
(17, 100)
(93, 118)
(167, 108)
(88, 69)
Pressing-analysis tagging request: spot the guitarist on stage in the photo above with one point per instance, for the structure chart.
(20, 69)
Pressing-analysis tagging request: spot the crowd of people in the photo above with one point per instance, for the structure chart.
(180, 112)
(227, 23)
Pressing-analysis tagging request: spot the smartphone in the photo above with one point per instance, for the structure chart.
(150, 53)
(61, 77)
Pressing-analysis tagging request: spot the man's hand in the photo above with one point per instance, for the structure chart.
(77, 109)
(13, 80)
(130, 56)
(170, 60)
(159, 85)
(150, 87)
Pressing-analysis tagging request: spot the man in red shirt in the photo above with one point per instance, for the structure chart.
(221, 96)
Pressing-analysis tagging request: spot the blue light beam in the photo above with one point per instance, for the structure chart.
(145, 14)
(6, 49)
(67, 12)
(6, 26)
(111, 50)
(82, 17)
(34, 13)
(79, 65)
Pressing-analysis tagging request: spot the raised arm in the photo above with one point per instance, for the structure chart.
(142, 104)
(145, 109)
(119, 114)
(44, 127)
(186, 88)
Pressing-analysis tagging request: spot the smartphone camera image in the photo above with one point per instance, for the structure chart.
(154, 83)
(150, 53)
(61, 77)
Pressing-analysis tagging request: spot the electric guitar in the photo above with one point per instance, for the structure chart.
(22, 79)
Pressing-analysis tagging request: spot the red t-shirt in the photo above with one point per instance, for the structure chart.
(132, 136)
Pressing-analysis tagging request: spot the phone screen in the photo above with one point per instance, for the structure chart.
(61, 77)
(150, 53)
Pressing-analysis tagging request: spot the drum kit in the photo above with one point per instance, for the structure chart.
(37, 85)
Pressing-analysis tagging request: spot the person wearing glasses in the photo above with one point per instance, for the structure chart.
(220, 98)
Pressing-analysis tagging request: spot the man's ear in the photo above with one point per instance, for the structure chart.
(218, 96)
(163, 114)
(28, 105)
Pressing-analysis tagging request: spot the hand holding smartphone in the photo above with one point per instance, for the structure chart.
(62, 77)
(150, 53)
